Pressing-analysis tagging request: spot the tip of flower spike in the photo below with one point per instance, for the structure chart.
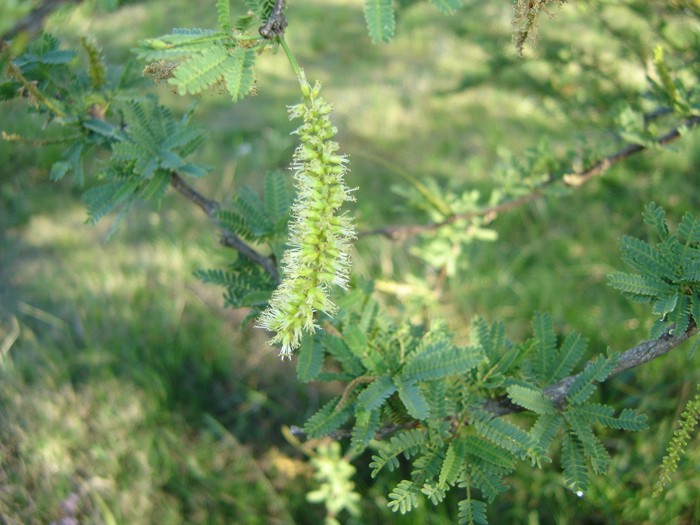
(285, 352)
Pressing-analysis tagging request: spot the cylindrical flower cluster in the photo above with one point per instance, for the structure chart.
(320, 237)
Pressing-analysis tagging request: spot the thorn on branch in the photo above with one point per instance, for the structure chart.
(276, 23)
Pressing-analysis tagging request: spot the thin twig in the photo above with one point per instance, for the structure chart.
(33, 22)
(229, 239)
(574, 180)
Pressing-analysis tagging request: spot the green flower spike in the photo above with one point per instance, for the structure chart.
(320, 237)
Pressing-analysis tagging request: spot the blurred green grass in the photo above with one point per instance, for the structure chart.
(123, 359)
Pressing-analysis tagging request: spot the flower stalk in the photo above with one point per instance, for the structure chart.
(320, 235)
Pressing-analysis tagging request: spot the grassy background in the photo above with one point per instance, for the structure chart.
(131, 387)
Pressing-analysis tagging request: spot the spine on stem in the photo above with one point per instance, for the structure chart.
(320, 235)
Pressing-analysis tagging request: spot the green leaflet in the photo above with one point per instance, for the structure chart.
(277, 197)
(72, 162)
(181, 43)
(262, 8)
(433, 492)
(102, 199)
(472, 512)
(453, 463)
(669, 273)
(656, 216)
(574, 463)
(644, 258)
(310, 359)
(246, 284)
(595, 372)
(568, 355)
(218, 277)
(436, 396)
(447, 6)
(545, 341)
(340, 351)
(408, 443)
(426, 468)
(223, 9)
(413, 399)
(504, 434)
(376, 393)
(327, 419)
(367, 422)
(200, 71)
(531, 399)
(379, 17)
(255, 220)
(239, 73)
(639, 288)
(488, 481)
(441, 360)
(689, 228)
(680, 316)
(235, 222)
(592, 447)
(546, 429)
(404, 497)
(485, 451)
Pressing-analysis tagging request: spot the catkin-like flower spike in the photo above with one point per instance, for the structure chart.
(320, 237)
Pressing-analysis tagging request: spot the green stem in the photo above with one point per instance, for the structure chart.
(290, 57)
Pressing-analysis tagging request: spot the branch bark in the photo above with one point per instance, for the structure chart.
(210, 208)
(635, 356)
(403, 231)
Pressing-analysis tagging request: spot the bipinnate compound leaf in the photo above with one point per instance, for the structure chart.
(488, 481)
(447, 6)
(689, 228)
(639, 288)
(545, 343)
(367, 422)
(644, 258)
(407, 442)
(486, 452)
(200, 71)
(441, 360)
(531, 399)
(223, 9)
(379, 16)
(327, 419)
(568, 355)
(413, 399)
(374, 396)
(472, 512)
(310, 359)
(404, 497)
(453, 463)
(503, 433)
(238, 73)
(595, 372)
(574, 463)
